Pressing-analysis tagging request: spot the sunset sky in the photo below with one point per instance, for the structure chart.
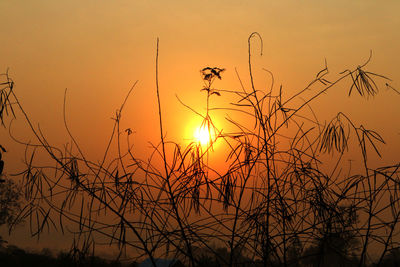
(99, 49)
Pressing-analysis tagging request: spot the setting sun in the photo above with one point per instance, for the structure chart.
(203, 135)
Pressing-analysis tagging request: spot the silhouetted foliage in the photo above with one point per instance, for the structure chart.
(391, 259)
(10, 203)
(282, 201)
(13, 256)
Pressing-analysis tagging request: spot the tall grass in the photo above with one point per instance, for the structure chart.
(276, 204)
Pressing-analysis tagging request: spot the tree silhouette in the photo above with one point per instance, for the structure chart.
(10, 203)
(337, 241)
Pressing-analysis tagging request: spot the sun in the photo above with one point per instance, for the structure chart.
(203, 135)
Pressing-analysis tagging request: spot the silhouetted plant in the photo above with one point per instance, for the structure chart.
(275, 204)
(6, 89)
(17, 257)
(10, 204)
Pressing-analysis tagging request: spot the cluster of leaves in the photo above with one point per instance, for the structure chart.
(209, 75)
(10, 195)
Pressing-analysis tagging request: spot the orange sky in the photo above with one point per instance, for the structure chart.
(98, 49)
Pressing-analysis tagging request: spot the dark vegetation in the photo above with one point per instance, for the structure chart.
(15, 257)
(286, 199)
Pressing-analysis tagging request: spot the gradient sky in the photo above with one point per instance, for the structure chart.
(98, 49)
